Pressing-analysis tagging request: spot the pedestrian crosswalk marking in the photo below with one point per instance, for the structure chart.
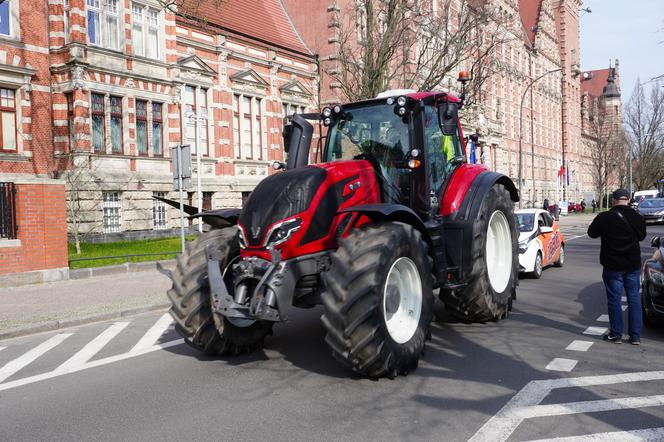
(578, 345)
(17, 364)
(525, 404)
(561, 364)
(603, 318)
(595, 331)
(2, 348)
(93, 347)
(644, 435)
(148, 340)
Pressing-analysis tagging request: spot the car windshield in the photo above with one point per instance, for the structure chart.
(652, 203)
(377, 132)
(526, 221)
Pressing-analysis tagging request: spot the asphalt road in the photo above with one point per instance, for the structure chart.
(512, 380)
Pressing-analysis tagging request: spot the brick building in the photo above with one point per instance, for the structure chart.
(543, 37)
(33, 231)
(130, 81)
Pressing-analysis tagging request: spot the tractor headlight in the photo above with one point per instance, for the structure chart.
(282, 232)
(327, 112)
(241, 239)
(523, 245)
(401, 101)
(656, 276)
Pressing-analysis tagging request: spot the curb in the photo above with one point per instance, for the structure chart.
(118, 269)
(56, 325)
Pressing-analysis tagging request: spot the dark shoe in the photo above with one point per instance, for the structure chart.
(616, 339)
(634, 341)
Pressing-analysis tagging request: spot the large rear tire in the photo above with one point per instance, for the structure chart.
(378, 300)
(494, 269)
(190, 299)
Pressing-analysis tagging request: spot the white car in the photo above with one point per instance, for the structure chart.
(541, 243)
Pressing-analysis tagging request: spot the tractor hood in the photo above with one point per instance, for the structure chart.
(298, 210)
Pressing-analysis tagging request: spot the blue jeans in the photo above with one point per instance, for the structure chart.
(615, 282)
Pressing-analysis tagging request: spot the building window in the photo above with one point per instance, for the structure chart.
(157, 130)
(6, 17)
(111, 207)
(98, 129)
(247, 131)
(8, 211)
(70, 119)
(66, 19)
(207, 200)
(103, 23)
(142, 127)
(8, 120)
(159, 211)
(116, 124)
(195, 115)
(145, 31)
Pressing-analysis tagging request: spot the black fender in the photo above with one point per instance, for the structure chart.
(390, 212)
(216, 218)
(458, 226)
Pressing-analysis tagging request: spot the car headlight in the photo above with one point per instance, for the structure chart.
(656, 276)
(523, 246)
(282, 232)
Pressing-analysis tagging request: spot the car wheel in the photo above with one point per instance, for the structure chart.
(537, 270)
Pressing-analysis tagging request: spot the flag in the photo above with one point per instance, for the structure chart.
(473, 155)
(561, 171)
(567, 173)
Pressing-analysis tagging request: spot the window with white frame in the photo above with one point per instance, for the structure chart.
(157, 130)
(159, 211)
(66, 20)
(111, 211)
(8, 119)
(290, 109)
(195, 118)
(103, 23)
(145, 30)
(247, 127)
(6, 17)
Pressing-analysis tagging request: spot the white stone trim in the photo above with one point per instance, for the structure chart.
(8, 243)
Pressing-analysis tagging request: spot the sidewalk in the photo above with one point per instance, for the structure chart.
(49, 306)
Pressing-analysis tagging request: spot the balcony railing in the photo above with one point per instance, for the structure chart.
(8, 226)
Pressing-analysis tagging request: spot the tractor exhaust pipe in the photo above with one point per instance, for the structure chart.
(297, 141)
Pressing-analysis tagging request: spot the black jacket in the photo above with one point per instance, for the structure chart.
(620, 250)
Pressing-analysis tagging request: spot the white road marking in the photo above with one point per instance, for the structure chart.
(2, 348)
(577, 345)
(153, 334)
(603, 318)
(561, 364)
(93, 347)
(624, 307)
(503, 423)
(589, 406)
(17, 364)
(644, 435)
(595, 331)
(575, 237)
(97, 363)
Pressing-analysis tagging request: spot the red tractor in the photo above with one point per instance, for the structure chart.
(391, 215)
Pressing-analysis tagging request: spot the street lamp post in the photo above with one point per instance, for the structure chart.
(194, 121)
(523, 96)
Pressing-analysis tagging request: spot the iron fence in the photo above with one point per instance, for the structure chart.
(8, 227)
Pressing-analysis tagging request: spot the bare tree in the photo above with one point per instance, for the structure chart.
(607, 148)
(410, 44)
(644, 120)
(190, 8)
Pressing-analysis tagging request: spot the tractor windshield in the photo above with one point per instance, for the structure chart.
(375, 131)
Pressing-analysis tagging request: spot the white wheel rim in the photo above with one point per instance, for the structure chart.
(402, 300)
(499, 251)
(538, 264)
(238, 322)
(561, 259)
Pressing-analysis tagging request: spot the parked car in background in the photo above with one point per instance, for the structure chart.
(541, 243)
(652, 209)
(652, 286)
(642, 195)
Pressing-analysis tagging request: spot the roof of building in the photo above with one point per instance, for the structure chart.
(593, 82)
(265, 20)
(530, 12)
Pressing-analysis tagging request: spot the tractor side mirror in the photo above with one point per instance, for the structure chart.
(448, 115)
(298, 140)
(655, 241)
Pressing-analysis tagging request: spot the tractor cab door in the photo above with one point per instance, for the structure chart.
(443, 151)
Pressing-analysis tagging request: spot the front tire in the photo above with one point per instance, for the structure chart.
(561, 257)
(494, 269)
(537, 268)
(378, 300)
(190, 299)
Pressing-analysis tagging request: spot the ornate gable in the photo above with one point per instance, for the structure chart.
(294, 90)
(193, 69)
(249, 81)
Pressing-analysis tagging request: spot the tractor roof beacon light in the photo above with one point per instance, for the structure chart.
(463, 78)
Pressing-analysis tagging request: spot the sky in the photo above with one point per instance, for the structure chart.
(631, 31)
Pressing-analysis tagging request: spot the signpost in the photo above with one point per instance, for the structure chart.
(181, 160)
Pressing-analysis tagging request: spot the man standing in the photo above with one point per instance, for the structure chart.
(621, 229)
